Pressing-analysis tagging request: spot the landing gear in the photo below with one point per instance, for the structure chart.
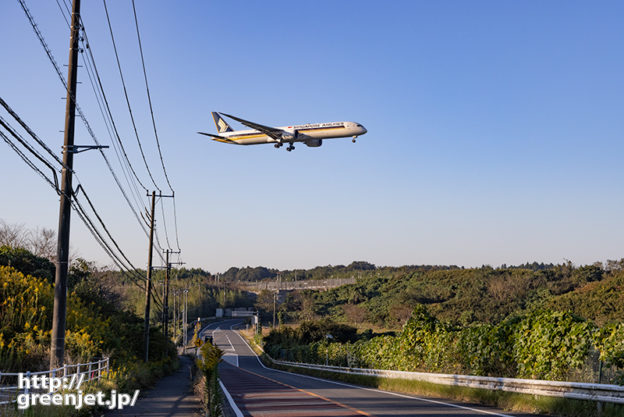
(278, 145)
(290, 148)
(353, 140)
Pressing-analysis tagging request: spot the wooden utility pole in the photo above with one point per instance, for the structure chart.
(148, 284)
(57, 349)
(166, 294)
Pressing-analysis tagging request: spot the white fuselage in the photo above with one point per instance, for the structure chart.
(300, 133)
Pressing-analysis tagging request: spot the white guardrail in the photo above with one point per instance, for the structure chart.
(574, 390)
(92, 371)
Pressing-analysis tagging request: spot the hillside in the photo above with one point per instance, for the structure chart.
(485, 294)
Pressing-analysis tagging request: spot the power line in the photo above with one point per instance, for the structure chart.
(53, 184)
(136, 133)
(25, 144)
(90, 57)
(149, 98)
(30, 132)
(162, 162)
(162, 211)
(78, 109)
(75, 194)
(110, 125)
(75, 204)
(63, 12)
(175, 223)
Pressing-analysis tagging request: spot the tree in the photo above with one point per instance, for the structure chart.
(42, 242)
(13, 235)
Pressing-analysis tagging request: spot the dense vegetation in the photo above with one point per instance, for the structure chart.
(535, 321)
(96, 325)
(542, 344)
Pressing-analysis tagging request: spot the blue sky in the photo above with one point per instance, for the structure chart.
(494, 128)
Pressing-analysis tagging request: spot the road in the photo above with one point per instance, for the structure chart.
(261, 391)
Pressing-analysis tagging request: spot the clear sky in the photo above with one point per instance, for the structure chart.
(495, 128)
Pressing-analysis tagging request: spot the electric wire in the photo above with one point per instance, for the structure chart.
(175, 223)
(149, 97)
(81, 213)
(29, 162)
(78, 109)
(71, 97)
(125, 167)
(25, 144)
(162, 211)
(99, 239)
(30, 132)
(123, 82)
(97, 215)
(90, 57)
(63, 13)
(124, 269)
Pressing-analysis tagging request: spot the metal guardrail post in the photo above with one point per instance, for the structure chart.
(89, 374)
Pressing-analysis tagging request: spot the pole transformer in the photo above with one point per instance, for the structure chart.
(57, 348)
(148, 284)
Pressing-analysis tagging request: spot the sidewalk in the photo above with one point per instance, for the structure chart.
(171, 397)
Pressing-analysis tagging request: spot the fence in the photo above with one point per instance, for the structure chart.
(311, 284)
(92, 371)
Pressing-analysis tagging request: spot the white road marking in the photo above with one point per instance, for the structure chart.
(237, 410)
(373, 389)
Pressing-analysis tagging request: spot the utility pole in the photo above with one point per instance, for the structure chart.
(57, 348)
(166, 291)
(148, 284)
(185, 318)
(175, 317)
(166, 295)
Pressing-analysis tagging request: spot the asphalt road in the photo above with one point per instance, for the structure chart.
(261, 391)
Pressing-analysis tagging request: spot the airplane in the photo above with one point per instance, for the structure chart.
(311, 134)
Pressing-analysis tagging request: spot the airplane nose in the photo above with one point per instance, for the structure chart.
(364, 130)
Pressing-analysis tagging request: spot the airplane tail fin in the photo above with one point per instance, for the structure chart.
(222, 125)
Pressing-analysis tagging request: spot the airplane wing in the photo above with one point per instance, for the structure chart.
(269, 131)
(219, 138)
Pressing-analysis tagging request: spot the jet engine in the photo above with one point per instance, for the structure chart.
(314, 143)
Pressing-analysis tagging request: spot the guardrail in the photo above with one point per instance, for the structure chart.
(574, 390)
(92, 370)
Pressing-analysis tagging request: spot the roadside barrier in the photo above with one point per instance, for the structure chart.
(574, 390)
(91, 370)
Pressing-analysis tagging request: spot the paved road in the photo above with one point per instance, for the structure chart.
(260, 391)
